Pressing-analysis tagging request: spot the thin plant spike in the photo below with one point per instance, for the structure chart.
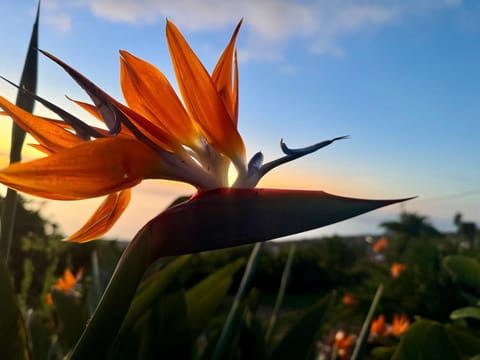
(229, 326)
(281, 292)
(28, 81)
(362, 337)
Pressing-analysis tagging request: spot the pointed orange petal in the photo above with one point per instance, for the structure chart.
(91, 169)
(147, 129)
(203, 101)
(235, 92)
(148, 92)
(41, 148)
(103, 218)
(66, 282)
(47, 132)
(222, 76)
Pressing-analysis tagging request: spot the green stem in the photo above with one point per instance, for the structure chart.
(229, 325)
(366, 324)
(107, 319)
(281, 292)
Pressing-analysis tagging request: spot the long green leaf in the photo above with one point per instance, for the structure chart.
(13, 335)
(466, 312)
(281, 292)
(464, 269)
(211, 220)
(299, 339)
(426, 340)
(162, 332)
(71, 317)
(205, 297)
(466, 338)
(147, 295)
(28, 81)
(233, 315)
(364, 331)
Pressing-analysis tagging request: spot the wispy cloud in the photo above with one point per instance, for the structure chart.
(270, 25)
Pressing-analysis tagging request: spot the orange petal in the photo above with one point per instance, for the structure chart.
(222, 77)
(66, 283)
(47, 132)
(148, 92)
(203, 101)
(104, 217)
(147, 129)
(91, 169)
(115, 114)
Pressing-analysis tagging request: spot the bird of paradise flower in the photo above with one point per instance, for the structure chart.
(155, 136)
(160, 136)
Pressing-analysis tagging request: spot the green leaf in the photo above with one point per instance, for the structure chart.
(466, 312)
(39, 333)
(103, 260)
(466, 339)
(299, 339)
(252, 339)
(281, 292)
(147, 295)
(364, 332)
(464, 269)
(162, 332)
(204, 298)
(426, 340)
(28, 81)
(383, 352)
(13, 335)
(232, 322)
(71, 316)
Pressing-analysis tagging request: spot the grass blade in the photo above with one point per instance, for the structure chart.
(228, 327)
(281, 292)
(28, 81)
(362, 337)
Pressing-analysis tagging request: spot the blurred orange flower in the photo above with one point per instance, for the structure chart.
(378, 326)
(396, 269)
(380, 244)
(67, 284)
(349, 299)
(399, 325)
(343, 343)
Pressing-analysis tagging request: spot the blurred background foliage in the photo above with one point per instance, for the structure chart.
(182, 304)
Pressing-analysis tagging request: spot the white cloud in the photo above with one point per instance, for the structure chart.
(61, 22)
(270, 25)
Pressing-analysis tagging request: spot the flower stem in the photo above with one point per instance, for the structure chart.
(107, 319)
(229, 325)
(362, 337)
(281, 292)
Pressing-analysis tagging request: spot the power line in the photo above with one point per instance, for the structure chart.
(450, 196)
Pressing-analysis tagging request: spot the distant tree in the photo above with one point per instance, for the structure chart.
(411, 225)
(465, 229)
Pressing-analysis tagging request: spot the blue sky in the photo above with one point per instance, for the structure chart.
(402, 78)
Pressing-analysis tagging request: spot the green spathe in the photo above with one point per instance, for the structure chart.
(210, 220)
